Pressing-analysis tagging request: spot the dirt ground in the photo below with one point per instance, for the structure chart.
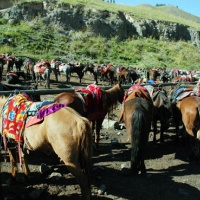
(169, 175)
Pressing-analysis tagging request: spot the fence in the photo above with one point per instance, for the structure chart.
(58, 91)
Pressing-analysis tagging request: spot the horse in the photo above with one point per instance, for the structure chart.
(14, 77)
(164, 77)
(107, 73)
(28, 66)
(43, 70)
(78, 69)
(177, 94)
(133, 75)
(64, 131)
(66, 68)
(94, 69)
(154, 73)
(2, 63)
(182, 78)
(55, 67)
(94, 103)
(190, 111)
(162, 110)
(10, 61)
(71, 68)
(18, 63)
(122, 74)
(137, 114)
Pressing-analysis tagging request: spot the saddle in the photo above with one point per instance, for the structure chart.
(133, 92)
(184, 91)
(41, 67)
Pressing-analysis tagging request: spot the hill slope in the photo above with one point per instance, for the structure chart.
(96, 31)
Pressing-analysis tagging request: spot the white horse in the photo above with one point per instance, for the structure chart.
(66, 68)
(43, 70)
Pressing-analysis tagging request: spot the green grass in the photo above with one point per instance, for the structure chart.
(34, 39)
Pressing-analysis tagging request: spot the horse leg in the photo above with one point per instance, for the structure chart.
(162, 132)
(142, 166)
(25, 166)
(12, 155)
(134, 167)
(81, 179)
(97, 133)
(154, 130)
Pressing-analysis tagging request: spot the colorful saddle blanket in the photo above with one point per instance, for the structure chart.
(95, 101)
(183, 91)
(18, 108)
(14, 116)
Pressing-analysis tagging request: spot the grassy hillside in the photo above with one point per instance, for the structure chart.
(34, 39)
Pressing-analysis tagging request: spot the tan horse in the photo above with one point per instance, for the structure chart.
(70, 137)
(86, 106)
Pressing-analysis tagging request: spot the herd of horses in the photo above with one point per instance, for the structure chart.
(41, 70)
(70, 124)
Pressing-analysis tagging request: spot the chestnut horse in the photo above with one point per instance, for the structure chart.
(65, 132)
(137, 115)
(178, 94)
(94, 103)
(190, 111)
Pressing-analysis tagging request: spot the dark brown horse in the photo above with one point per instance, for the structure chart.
(190, 111)
(93, 104)
(65, 132)
(162, 110)
(18, 63)
(10, 61)
(94, 69)
(137, 115)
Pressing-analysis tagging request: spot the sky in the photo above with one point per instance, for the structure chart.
(189, 6)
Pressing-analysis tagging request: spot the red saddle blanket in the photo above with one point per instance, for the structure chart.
(95, 101)
(133, 88)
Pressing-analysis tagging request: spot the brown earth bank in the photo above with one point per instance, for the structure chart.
(169, 174)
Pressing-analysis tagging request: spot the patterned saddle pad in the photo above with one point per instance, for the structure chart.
(18, 108)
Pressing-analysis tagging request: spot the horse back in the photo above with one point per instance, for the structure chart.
(141, 106)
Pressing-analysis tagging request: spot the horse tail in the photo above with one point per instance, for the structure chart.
(86, 149)
(138, 125)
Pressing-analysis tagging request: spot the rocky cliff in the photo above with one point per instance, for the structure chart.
(104, 23)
